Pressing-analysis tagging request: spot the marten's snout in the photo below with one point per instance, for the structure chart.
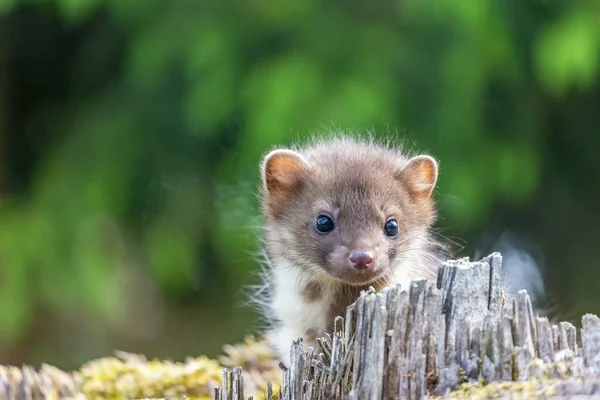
(361, 259)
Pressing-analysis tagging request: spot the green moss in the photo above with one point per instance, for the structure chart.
(127, 376)
(515, 367)
(538, 387)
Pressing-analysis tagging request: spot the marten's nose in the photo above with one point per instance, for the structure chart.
(361, 259)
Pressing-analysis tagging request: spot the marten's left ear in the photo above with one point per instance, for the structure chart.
(420, 175)
(283, 173)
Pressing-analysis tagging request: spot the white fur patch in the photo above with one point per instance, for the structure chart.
(295, 315)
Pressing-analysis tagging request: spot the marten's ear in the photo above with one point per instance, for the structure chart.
(420, 175)
(283, 172)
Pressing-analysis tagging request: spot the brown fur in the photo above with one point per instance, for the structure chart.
(346, 296)
(312, 291)
(311, 336)
(360, 185)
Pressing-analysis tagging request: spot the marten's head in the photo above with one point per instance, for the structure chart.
(357, 212)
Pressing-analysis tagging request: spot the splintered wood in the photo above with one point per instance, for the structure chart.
(428, 340)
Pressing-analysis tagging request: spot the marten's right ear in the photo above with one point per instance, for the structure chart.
(283, 172)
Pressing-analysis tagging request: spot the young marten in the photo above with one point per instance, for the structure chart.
(342, 215)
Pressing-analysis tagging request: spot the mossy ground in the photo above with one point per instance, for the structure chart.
(131, 376)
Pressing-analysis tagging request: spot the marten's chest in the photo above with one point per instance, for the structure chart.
(343, 297)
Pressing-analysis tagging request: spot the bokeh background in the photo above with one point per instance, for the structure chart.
(131, 131)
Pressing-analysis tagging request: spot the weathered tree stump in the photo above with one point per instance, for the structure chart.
(459, 337)
(456, 338)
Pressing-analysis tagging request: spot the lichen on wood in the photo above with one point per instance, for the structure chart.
(457, 338)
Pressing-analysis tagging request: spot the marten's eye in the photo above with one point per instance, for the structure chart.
(324, 224)
(391, 228)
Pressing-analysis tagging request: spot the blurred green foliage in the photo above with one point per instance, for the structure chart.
(148, 182)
